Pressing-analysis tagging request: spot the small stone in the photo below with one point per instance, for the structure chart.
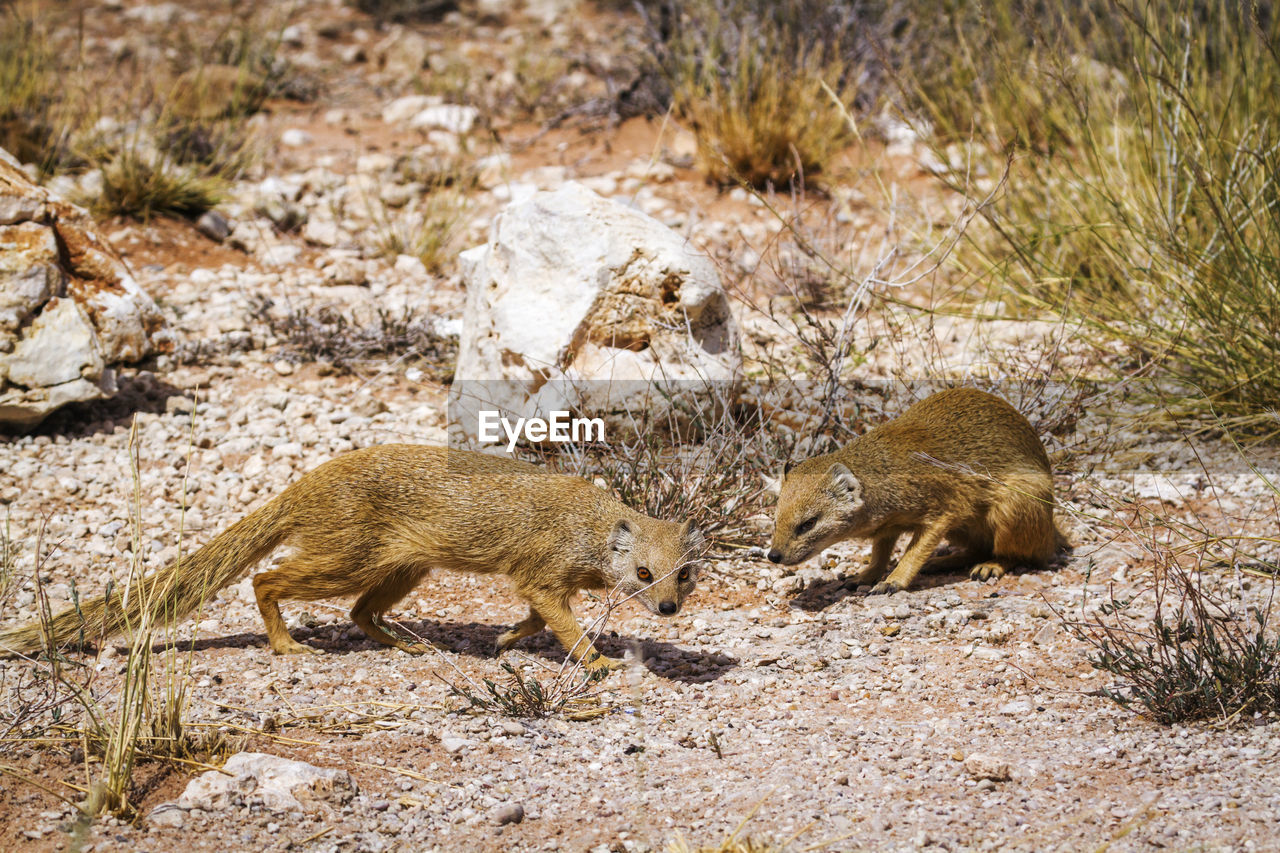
(511, 727)
(508, 813)
(403, 109)
(214, 225)
(168, 814)
(1045, 635)
(179, 405)
(981, 765)
(282, 367)
(411, 265)
(295, 137)
(454, 118)
(454, 744)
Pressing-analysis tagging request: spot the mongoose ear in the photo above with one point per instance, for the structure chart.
(844, 485)
(692, 538)
(621, 537)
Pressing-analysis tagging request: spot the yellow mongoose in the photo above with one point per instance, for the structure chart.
(960, 465)
(373, 522)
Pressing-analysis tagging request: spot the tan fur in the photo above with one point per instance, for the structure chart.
(372, 523)
(961, 465)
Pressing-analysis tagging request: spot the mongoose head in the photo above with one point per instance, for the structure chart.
(818, 505)
(655, 561)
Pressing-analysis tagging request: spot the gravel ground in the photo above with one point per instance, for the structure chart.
(958, 716)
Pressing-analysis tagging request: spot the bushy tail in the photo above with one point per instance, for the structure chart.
(165, 595)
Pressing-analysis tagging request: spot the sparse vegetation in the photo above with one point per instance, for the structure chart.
(1184, 652)
(571, 693)
(32, 125)
(405, 11)
(1186, 645)
(1144, 203)
(425, 229)
(343, 341)
(748, 77)
(143, 184)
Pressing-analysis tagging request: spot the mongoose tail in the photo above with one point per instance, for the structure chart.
(165, 595)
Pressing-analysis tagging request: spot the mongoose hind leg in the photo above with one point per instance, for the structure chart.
(531, 625)
(377, 600)
(1023, 535)
(270, 588)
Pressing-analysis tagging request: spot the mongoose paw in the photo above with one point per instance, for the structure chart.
(598, 663)
(416, 648)
(504, 642)
(885, 588)
(296, 649)
(986, 571)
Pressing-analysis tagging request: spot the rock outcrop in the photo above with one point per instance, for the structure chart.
(585, 304)
(69, 309)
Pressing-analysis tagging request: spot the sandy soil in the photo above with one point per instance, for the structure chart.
(785, 706)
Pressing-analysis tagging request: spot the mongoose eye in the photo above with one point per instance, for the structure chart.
(684, 575)
(644, 574)
(806, 525)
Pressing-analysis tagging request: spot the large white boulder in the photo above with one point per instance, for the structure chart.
(585, 304)
(69, 308)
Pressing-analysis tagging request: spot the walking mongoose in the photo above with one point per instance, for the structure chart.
(373, 522)
(961, 465)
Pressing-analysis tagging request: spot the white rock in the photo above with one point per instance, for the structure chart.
(403, 109)
(583, 303)
(278, 782)
(59, 346)
(322, 232)
(281, 256)
(104, 319)
(980, 765)
(410, 265)
(454, 744)
(296, 137)
(455, 118)
(167, 814)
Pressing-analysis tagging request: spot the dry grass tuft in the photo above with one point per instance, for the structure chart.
(748, 77)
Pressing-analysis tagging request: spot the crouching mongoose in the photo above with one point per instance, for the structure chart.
(961, 465)
(373, 522)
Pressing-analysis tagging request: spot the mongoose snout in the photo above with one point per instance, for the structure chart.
(961, 465)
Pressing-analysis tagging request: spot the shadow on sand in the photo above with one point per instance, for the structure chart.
(477, 639)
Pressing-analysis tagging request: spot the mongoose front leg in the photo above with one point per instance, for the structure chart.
(881, 551)
(918, 552)
(559, 618)
(532, 624)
